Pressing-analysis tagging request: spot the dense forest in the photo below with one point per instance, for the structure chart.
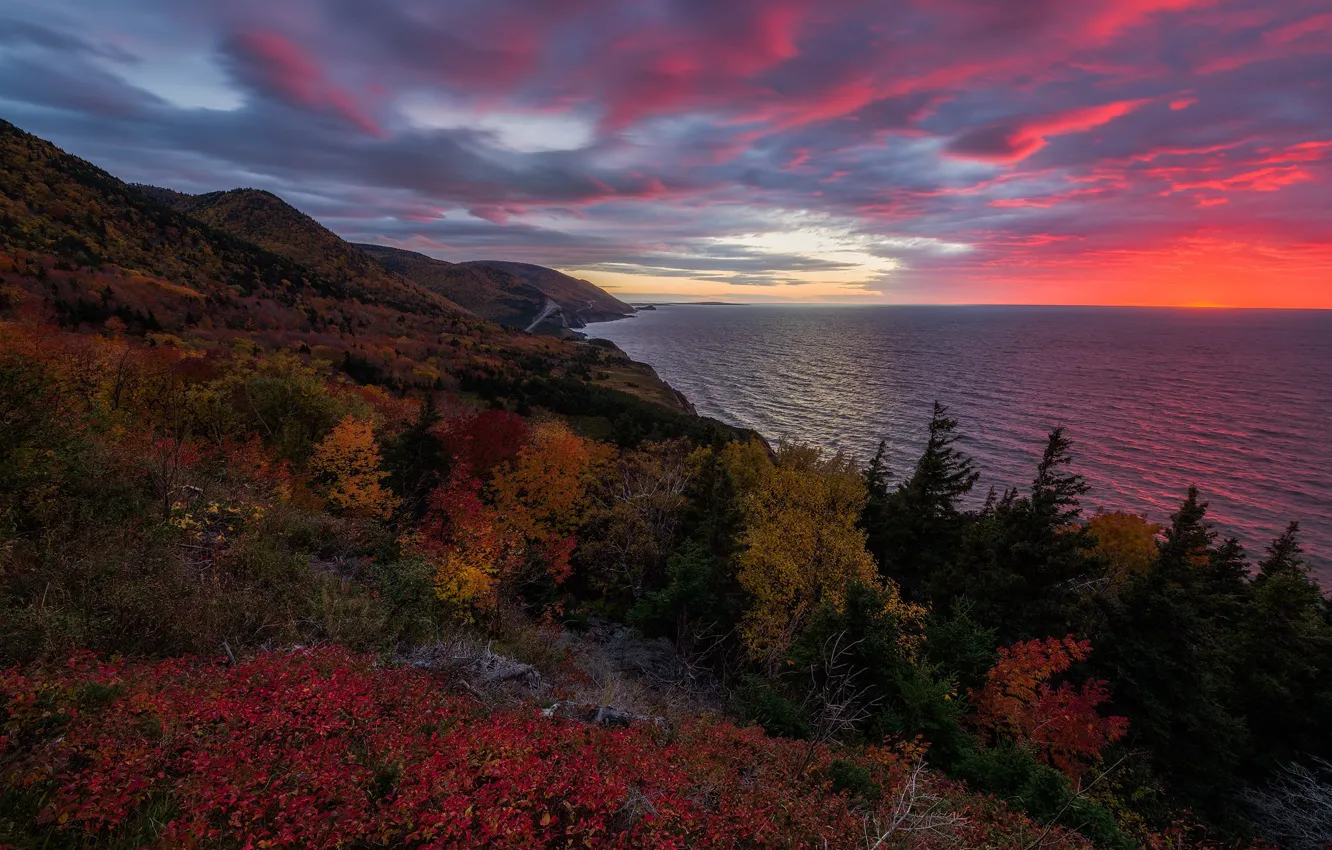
(295, 556)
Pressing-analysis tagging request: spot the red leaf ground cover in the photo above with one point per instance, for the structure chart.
(321, 748)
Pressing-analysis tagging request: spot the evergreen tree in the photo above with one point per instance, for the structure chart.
(416, 461)
(1170, 647)
(1056, 490)
(1284, 556)
(944, 474)
(914, 531)
(900, 695)
(1285, 665)
(1026, 560)
(878, 491)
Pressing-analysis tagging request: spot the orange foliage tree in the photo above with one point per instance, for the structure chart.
(1061, 724)
(349, 459)
(515, 529)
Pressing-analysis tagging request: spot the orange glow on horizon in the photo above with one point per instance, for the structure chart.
(1200, 272)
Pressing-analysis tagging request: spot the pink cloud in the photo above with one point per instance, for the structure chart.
(1118, 15)
(294, 76)
(1260, 180)
(495, 214)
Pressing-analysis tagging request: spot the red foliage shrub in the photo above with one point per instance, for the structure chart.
(322, 748)
(482, 441)
(1061, 723)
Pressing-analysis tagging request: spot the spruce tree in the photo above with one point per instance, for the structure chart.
(416, 460)
(1056, 490)
(1284, 556)
(1285, 663)
(1025, 559)
(878, 491)
(944, 475)
(915, 530)
(1170, 644)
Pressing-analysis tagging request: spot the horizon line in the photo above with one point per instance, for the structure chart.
(776, 303)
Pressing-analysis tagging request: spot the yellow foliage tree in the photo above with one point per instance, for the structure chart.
(349, 458)
(466, 571)
(747, 463)
(801, 543)
(1126, 541)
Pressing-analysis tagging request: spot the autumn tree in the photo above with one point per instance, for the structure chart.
(801, 544)
(1020, 702)
(288, 403)
(1125, 543)
(348, 459)
(502, 539)
(468, 544)
(483, 441)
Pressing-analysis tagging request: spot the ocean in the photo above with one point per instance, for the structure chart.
(1238, 402)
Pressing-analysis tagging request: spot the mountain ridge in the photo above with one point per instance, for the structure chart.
(508, 292)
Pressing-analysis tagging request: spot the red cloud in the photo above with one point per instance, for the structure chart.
(1011, 142)
(291, 74)
(1118, 15)
(1261, 180)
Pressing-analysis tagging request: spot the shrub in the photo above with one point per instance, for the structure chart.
(319, 748)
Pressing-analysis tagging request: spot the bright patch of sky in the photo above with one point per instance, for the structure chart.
(520, 132)
(186, 81)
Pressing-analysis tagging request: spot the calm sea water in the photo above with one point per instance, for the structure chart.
(1237, 402)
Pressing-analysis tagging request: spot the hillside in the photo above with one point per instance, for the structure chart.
(81, 248)
(510, 293)
(271, 223)
(55, 204)
(490, 293)
(583, 301)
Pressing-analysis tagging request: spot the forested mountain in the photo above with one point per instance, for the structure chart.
(493, 294)
(581, 299)
(56, 204)
(271, 223)
(509, 293)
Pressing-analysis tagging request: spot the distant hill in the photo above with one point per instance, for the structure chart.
(270, 222)
(584, 300)
(490, 293)
(513, 294)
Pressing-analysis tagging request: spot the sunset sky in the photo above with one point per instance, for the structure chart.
(970, 151)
